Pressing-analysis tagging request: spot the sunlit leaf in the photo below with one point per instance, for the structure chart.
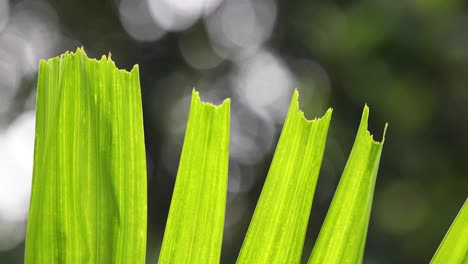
(277, 230)
(343, 234)
(88, 202)
(454, 247)
(194, 228)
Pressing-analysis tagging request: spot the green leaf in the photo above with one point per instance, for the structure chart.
(194, 228)
(454, 247)
(88, 201)
(343, 234)
(277, 230)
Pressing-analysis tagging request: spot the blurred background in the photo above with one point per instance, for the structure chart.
(407, 59)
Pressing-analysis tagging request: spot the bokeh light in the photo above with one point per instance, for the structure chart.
(16, 156)
(138, 21)
(264, 82)
(235, 38)
(407, 60)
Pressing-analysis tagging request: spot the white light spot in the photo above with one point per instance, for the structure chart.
(193, 8)
(16, 161)
(138, 22)
(265, 83)
(239, 28)
(177, 15)
(168, 18)
(30, 36)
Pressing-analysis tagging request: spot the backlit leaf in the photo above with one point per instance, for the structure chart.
(454, 247)
(194, 229)
(343, 234)
(277, 230)
(88, 201)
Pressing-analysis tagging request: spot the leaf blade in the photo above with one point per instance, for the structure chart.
(195, 223)
(281, 216)
(343, 234)
(454, 246)
(88, 200)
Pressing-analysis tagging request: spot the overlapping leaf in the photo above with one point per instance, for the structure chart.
(343, 235)
(277, 230)
(88, 202)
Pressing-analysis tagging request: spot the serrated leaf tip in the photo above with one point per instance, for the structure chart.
(196, 97)
(80, 52)
(295, 104)
(364, 125)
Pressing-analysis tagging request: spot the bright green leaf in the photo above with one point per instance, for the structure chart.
(194, 229)
(454, 247)
(88, 201)
(277, 230)
(343, 234)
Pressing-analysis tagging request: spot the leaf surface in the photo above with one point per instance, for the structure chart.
(88, 201)
(277, 230)
(343, 234)
(454, 247)
(194, 228)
